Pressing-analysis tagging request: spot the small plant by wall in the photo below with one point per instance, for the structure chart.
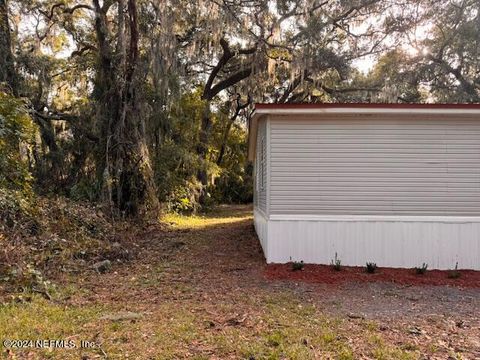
(371, 267)
(297, 265)
(336, 263)
(421, 270)
(454, 274)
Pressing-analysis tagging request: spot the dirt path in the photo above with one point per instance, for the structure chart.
(197, 289)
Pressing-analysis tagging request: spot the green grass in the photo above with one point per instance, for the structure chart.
(382, 351)
(45, 320)
(206, 220)
(278, 326)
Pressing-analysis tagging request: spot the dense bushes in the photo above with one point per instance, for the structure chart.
(176, 161)
(234, 187)
(234, 183)
(174, 152)
(17, 133)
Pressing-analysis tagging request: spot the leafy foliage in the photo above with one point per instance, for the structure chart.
(177, 163)
(17, 203)
(454, 274)
(421, 270)
(336, 263)
(298, 265)
(56, 235)
(17, 133)
(371, 267)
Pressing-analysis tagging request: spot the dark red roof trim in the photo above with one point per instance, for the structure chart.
(367, 105)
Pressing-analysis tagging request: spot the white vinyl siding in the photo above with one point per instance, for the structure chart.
(260, 191)
(374, 165)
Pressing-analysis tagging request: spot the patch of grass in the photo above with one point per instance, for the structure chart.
(389, 353)
(204, 220)
(267, 335)
(328, 337)
(286, 328)
(369, 325)
(433, 348)
(42, 319)
(381, 351)
(275, 339)
(50, 319)
(345, 353)
(409, 347)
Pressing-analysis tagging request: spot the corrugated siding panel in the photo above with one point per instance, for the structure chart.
(398, 243)
(260, 185)
(421, 166)
(260, 222)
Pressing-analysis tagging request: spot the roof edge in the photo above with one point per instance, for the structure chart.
(264, 106)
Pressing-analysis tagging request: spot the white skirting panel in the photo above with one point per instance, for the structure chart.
(389, 241)
(260, 222)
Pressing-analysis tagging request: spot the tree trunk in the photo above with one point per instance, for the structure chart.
(226, 133)
(7, 64)
(202, 151)
(124, 162)
(230, 123)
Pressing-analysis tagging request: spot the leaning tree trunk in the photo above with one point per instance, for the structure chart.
(7, 65)
(124, 162)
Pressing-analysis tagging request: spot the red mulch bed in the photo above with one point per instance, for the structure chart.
(324, 274)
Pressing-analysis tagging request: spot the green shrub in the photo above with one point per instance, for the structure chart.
(84, 190)
(17, 132)
(371, 267)
(17, 211)
(29, 279)
(177, 164)
(336, 263)
(183, 198)
(454, 274)
(233, 187)
(298, 265)
(422, 269)
(175, 171)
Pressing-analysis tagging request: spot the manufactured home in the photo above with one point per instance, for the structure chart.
(398, 185)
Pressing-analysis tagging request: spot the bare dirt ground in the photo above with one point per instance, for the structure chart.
(197, 288)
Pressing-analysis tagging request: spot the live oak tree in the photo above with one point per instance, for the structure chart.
(449, 57)
(117, 133)
(439, 60)
(124, 160)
